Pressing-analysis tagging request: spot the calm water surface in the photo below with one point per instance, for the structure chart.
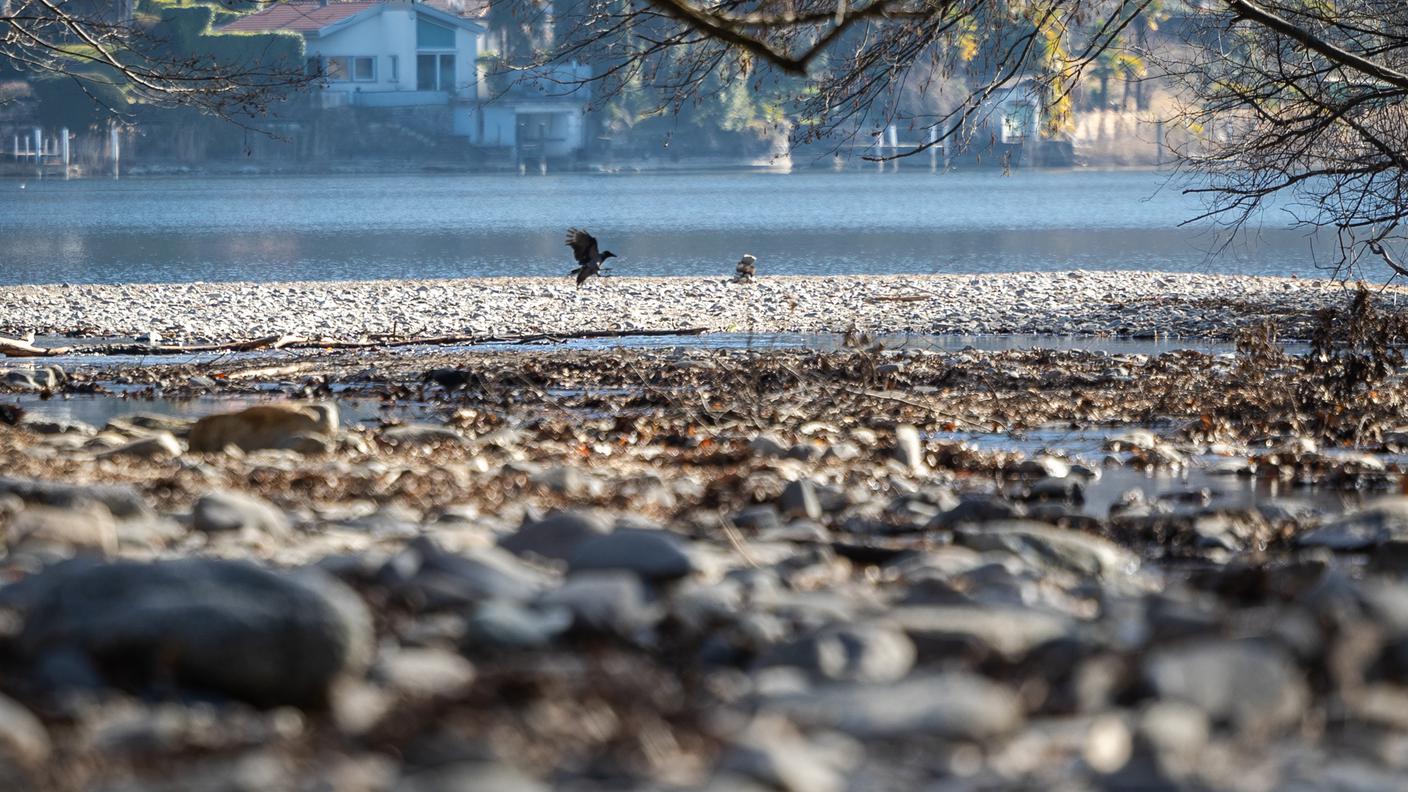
(433, 226)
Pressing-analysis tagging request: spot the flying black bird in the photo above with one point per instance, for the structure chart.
(746, 268)
(584, 249)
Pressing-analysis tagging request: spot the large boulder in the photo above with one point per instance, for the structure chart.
(263, 426)
(268, 637)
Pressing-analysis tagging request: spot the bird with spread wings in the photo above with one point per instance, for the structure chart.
(587, 253)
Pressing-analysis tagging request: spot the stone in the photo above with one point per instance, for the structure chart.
(262, 426)
(160, 445)
(428, 578)
(24, 742)
(307, 444)
(420, 434)
(122, 501)
(266, 637)
(767, 446)
(654, 555)
(799, 499)
(465, 776)
(556, 536)
(89, 529)
(1009, 632)
(511, 625)
(226, 512)
(1068, 490)
(1252, 685)
(611, 602)
(1377, 522)
(1054, 547)
(909, 450)
(568, 480)
(770, 750)
(951, 705)
(420, 673)
(976, 509)
(867, 652)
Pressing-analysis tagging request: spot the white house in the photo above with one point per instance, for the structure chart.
(402, 53)
(380, 53)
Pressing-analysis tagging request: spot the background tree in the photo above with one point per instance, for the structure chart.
(117, 54)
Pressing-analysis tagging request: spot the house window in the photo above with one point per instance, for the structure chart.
(395, 68)
(364, 69)
(432, 36)
(435, 72)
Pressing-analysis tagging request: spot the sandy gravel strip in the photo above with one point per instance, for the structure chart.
(1076, 302)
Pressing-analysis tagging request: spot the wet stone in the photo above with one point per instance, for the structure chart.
(656, 556)
(612, 602)
(225, 512)
(263, 636)
(799, 499)
(556, 536)
(1252, 685)
(951, 705)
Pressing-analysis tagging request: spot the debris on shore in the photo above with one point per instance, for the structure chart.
(701, 569)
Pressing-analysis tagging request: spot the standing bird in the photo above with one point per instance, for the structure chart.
(585, 251)
(745, 269)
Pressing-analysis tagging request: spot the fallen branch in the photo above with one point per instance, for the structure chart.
(251, 345)
(10, 347)
(297, 342)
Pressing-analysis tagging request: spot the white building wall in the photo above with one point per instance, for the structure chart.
(392, 32)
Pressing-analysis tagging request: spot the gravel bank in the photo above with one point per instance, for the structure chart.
(1077, 302)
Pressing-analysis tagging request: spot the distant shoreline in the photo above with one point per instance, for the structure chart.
(1137, 304)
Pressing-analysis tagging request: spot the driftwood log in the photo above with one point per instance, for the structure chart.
(19, 349)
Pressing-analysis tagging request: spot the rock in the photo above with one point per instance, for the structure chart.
(568, 480)
(24, 742)
(762, 517)
(1067, 490)
(799, 499)
(511, 625)
(89, 529)
(465, 776)
(266, 637)
(224, 512)
(20, 380)
(1045, 467)
(419, 434)
(909, 450)
(656, 556)
(942, 631)
(307, 444)
(57, 426)
(429, 578)
(161, 445)
(611, 602)
(424, 673)
(771, 751)
(1042, 544)
(767, 446)
(556, 536)
(1252, 685)
(976, 509)
(121, 500)
(952, 705)
(1174, 734)
(1377, 522)
(262, 426)
(870, 653)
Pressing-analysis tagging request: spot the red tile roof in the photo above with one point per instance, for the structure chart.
(302, 16)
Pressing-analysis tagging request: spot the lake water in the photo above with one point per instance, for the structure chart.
(436, 226)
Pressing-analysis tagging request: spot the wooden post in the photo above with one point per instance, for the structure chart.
(933, 149)
(115, 140)
(39, 152)
(63, 148)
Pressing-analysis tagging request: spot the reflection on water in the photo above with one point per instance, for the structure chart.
(433, 226)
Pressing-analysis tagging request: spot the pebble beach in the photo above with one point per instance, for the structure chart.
(1062, 303)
